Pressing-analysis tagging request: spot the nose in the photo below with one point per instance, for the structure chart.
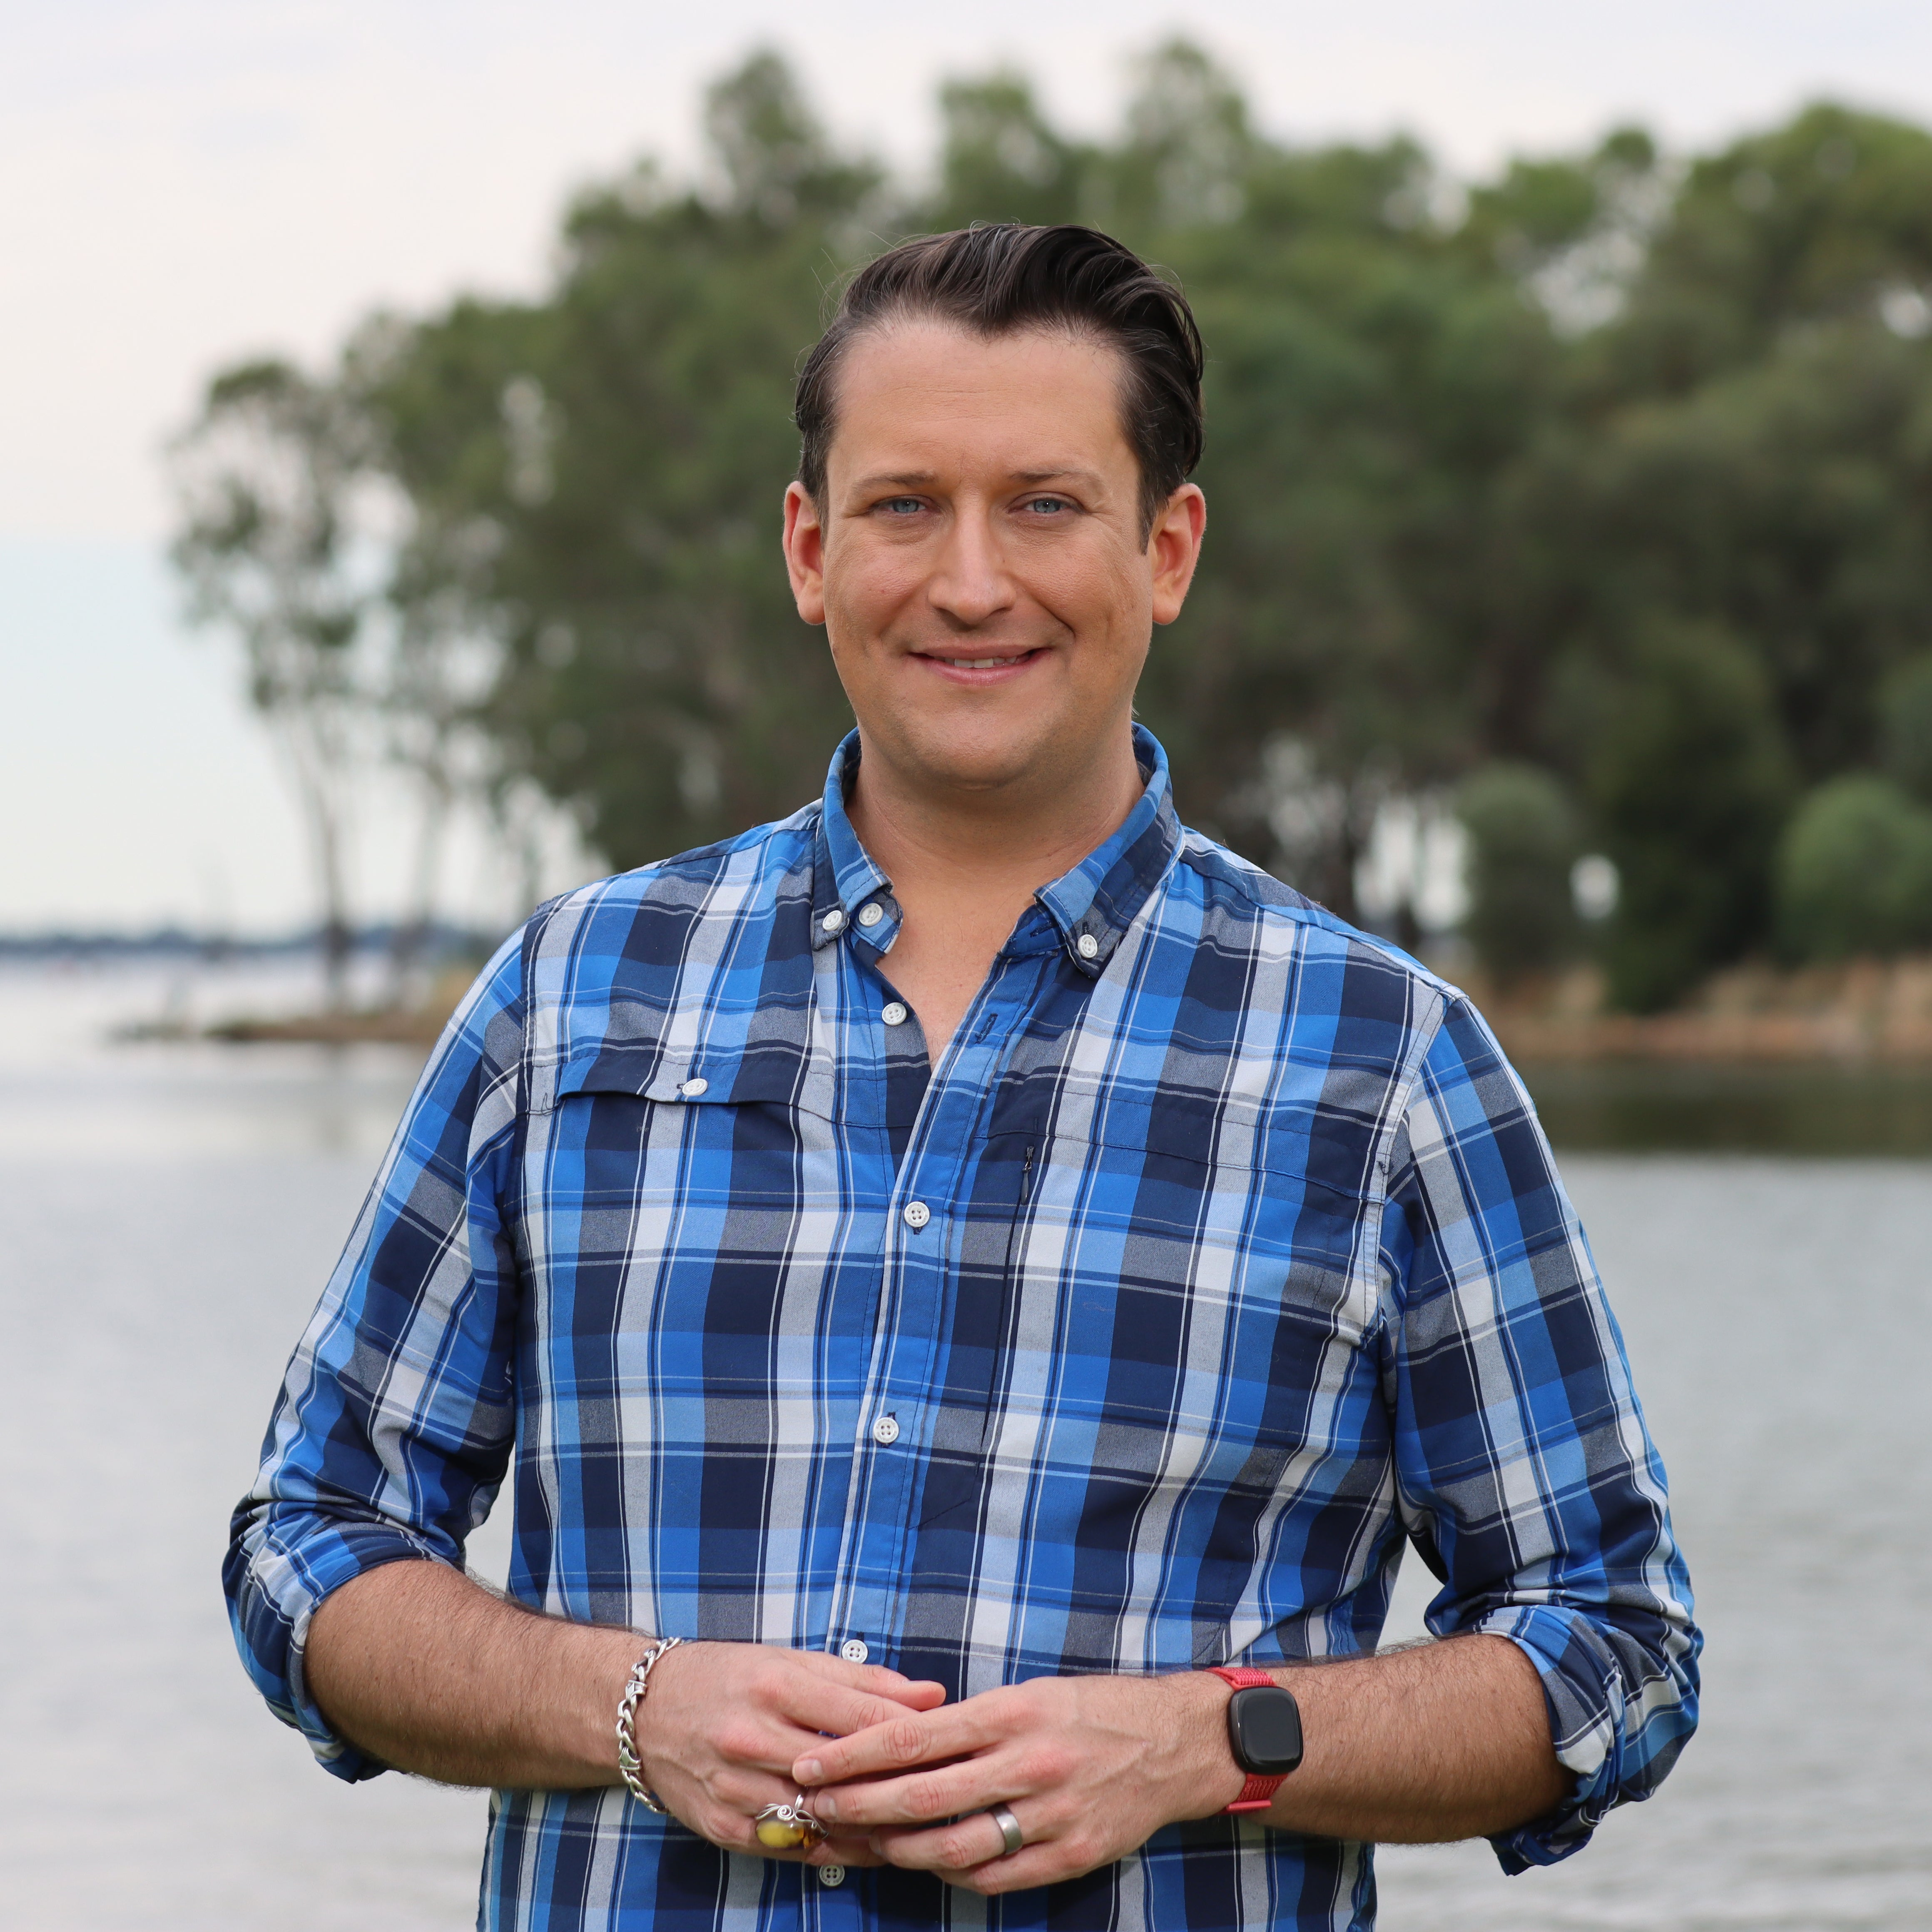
(970, 584)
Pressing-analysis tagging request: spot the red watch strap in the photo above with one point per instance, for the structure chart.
(1258, 1794)
(1242, 1676)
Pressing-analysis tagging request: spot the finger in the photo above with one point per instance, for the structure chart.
(958, 1846)
(846, 1852)
(922, 1796)
(731, 1820)
(904, 1739)
(1033, 1865)
(838, 1709)
(876, 1679)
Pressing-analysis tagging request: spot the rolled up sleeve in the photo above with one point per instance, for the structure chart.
(395, 1420)
(1525, 1473)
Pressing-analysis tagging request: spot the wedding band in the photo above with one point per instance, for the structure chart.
(1009, 1828)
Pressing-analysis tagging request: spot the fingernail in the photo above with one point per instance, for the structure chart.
(810, 1771)
(822, 1808)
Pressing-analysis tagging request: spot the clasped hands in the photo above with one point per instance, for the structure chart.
(1090, 1767)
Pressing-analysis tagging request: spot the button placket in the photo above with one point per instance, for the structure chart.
(870, 1589)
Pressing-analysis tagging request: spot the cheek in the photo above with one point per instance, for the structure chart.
(865, 586)
(1103, 596)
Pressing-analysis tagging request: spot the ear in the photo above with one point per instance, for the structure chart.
(804, 553)
(1174, 548)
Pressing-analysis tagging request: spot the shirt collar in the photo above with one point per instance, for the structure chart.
(1090, 907)
(848, 890)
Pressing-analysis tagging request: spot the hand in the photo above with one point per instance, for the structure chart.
(1091, 1767)
(721, 1723)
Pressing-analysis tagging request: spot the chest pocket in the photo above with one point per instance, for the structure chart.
(710, 1198)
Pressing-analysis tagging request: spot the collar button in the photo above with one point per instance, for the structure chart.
(1086, 946)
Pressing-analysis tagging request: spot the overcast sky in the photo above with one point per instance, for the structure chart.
(182, 181)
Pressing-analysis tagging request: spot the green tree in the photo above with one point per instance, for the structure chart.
(599, 475)
(1611, 467)
(1000, 160)
(1855, 872)
(1826, 219)
(1692, 783)
(1905, 716)
(268, 479)
(1524, 839)
(1372, 388)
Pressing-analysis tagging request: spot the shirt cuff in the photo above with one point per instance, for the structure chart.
(287, 1580)
(1618, 1743)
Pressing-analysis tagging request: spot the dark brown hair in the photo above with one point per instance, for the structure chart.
(997, 278)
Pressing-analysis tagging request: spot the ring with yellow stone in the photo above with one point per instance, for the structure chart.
(784, 1827)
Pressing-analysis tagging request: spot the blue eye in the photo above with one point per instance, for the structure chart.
(902, 506)
(1054, 504)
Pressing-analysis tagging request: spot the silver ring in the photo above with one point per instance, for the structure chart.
(1009, 1828)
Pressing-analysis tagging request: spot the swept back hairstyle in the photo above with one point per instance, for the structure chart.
(999, 278)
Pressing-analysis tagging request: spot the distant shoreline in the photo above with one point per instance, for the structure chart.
(1861, 1013)
(1864, 1013)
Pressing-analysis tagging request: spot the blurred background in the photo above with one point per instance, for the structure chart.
(393, 421)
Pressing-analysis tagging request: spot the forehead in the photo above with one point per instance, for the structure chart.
(926, 389)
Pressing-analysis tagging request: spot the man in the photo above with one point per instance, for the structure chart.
(972, 1260)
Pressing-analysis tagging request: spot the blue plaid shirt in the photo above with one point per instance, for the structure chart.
(1220, 1258)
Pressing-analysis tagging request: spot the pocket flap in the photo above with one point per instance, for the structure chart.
(774, 1074)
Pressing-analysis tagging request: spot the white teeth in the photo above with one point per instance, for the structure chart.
(974, 663)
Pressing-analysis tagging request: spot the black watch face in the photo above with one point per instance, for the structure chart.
(1264, 1727)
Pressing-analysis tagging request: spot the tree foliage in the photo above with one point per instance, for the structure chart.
(267, 478)
(1525, 839)
(1613, 468)
(1855, 870)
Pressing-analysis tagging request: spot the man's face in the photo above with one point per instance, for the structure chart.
(979, 565)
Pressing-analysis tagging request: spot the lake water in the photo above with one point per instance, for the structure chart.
(167, 1215)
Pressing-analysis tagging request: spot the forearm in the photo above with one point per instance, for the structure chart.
(427, 1671)
(1441, 1741)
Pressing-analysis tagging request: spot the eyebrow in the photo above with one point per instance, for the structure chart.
(913, 479)
(1068, 473)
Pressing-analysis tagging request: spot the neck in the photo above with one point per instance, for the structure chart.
(998, 842)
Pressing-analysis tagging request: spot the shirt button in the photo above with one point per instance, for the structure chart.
(895, 1015)
(831, 1874)
(917, 1214)
(853, 1650)
(870, 913)
(1086, 946)
(691, 1089)
(833, 920)
(885, 1430)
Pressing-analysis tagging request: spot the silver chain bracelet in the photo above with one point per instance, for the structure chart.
(629, 1765)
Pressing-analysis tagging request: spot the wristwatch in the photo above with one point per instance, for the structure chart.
(1264, 1731)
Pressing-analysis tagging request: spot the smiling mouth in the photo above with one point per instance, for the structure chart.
(1005, 660)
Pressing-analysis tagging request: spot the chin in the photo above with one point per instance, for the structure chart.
(977, 760)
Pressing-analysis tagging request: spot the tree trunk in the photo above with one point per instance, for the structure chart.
(413, 930)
